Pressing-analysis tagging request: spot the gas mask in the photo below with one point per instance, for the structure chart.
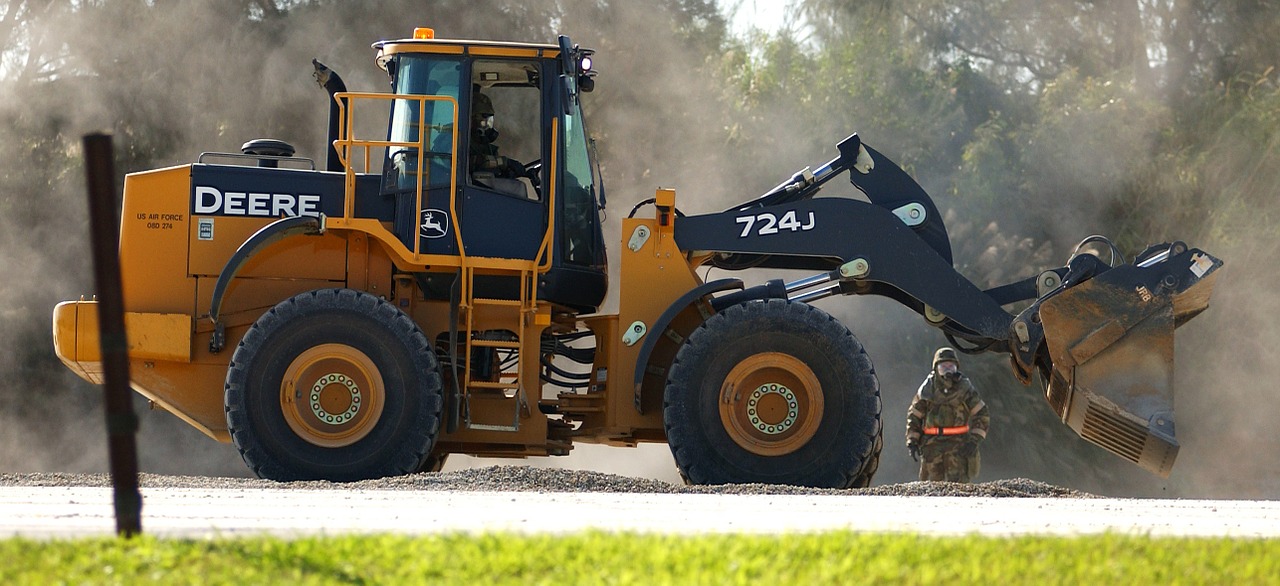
(950, 373)
(484, 129)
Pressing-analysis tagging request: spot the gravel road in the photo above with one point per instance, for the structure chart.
(548, 500)
(527, 478)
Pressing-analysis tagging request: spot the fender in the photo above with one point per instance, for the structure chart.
(268, 235)
(664, 321)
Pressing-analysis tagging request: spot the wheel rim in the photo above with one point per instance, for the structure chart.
(771, 404)
(332, 395)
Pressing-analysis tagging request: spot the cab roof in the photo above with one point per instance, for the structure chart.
(466, 47)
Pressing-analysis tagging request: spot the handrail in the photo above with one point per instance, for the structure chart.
(546, 249)
(256, 158)
(347, 142)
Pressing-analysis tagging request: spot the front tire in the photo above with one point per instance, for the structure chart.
(333, 384)
(773, 392)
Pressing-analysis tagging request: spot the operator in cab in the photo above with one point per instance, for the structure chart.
(486, 163)
(946, 422)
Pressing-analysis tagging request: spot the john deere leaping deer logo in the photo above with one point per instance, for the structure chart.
(435, 223)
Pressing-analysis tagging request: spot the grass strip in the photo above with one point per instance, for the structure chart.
(624, 558)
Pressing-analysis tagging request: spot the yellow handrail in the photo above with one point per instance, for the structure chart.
(346, 142)
(546, 249)
(346, 145)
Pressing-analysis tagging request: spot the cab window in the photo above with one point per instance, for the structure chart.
(422, 75)
(579, 193)
(505, 135)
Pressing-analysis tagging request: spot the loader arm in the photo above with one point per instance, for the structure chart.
(1101, 336)
(883, 182)
(823, 234)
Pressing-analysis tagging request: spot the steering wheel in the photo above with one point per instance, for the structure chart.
(533, 170)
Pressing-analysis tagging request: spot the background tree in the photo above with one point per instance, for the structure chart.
(1143, 120)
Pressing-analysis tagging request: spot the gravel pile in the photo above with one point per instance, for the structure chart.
(530, 479)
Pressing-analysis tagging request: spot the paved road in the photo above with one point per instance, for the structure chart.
(43, 512)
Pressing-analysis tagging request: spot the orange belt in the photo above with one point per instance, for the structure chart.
(958, 430)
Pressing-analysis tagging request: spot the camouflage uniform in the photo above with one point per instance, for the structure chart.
(484, 153)
(939, 404)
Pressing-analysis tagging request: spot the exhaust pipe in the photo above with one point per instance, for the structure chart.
(332, 83)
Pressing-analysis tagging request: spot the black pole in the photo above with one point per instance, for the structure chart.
(122, 422)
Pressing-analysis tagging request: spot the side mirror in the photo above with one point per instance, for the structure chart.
(569, 77)
(566, 54)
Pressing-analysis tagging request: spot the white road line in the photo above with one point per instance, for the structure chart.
(76, 512)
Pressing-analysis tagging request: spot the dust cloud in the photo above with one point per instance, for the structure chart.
(174, 78)
(183, 77)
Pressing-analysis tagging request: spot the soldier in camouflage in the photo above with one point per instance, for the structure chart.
(484, 150)
(946, 422)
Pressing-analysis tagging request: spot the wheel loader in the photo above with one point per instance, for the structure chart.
(435, 289)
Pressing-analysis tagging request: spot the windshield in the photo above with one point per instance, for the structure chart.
(427, 75)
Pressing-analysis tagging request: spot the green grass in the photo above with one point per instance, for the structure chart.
(621, 558)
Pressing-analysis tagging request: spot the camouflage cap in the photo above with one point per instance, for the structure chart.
(945, 354)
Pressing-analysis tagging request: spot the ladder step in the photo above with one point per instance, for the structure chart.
(488, 427)
(500, 302)
(505, 391)
(512, 344)
(492, 385)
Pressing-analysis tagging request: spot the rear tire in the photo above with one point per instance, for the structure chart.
(333, 384)
(773, 392)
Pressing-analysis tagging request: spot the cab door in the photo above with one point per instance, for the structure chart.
(507, 136)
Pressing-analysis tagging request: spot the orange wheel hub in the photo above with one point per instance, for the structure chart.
(332, 395)
(771, 404)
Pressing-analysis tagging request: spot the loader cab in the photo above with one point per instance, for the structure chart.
(522, 165)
